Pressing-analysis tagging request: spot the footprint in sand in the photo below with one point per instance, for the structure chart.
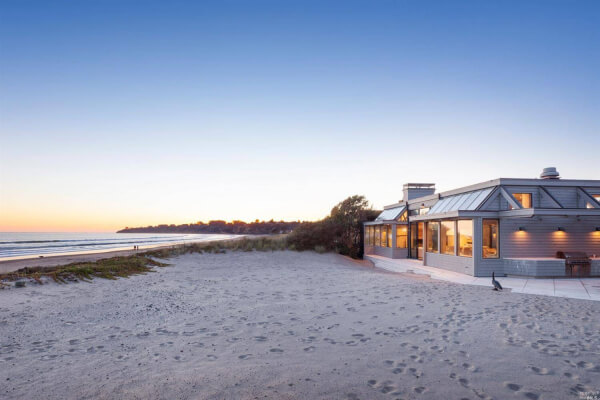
(541, 371)
(275, 350)
(309, 349)
(512, 386)
(385, 387)
(245, 356)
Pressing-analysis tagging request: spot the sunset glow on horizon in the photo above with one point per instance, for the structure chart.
(118, 114)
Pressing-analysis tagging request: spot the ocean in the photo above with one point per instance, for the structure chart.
(32, 244)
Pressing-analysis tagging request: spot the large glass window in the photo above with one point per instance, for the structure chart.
(384, 235)
(433, 230)
(403, 217)
(524, 199)
(447, 237)
(490, 238)
(377, 235)
(389, 236)
(367, 235)
(465, 237)
(401, 236)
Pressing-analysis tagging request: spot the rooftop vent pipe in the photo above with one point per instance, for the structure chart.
(550, 173)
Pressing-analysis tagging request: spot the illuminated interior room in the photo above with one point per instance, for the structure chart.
(544, 227)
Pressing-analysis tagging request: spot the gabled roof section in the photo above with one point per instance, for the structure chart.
(468, 201)
(390, 214)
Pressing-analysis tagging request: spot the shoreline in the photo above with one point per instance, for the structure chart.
(12, 264)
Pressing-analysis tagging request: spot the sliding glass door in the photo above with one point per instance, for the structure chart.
(416, 240)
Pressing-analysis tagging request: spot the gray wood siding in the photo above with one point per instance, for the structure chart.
(566, 196)
(595, 268)
(493, 203)
(484, 266)
(464, 265)
(541, 238)
(541, 268)
(546, 201)
(389, 252)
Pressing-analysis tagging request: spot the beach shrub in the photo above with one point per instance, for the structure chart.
(320, 249)
(108, 268)
(341, 231)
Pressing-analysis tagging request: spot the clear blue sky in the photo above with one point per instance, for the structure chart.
(116, 113)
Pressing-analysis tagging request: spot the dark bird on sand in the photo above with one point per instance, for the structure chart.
(497, 285)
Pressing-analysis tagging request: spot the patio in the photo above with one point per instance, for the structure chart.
(575, 288)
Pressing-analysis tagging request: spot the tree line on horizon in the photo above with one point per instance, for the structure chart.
(219, 226)
(341, 231)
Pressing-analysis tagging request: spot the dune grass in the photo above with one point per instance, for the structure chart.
(108, 268)
(141, 263)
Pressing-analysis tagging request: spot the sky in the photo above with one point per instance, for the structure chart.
(130, 113)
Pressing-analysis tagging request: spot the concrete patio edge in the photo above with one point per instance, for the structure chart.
(574, 288)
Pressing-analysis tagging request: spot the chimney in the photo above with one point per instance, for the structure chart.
(550, 173)
(414, 190)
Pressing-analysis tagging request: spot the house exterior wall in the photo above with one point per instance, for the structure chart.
(389, 252)
(541, 238)
(555, 203)
(484, 266)
(533, 267)
(464, 265)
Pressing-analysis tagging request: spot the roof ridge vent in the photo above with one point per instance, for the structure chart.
(550, 173)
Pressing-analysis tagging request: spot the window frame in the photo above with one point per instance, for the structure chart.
(453, 222)
(514, 195)
(483, 257)
(404, 235)
(437, 250)
(458, 237)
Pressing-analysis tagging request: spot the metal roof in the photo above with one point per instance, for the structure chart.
(390, 214)
(465, 201)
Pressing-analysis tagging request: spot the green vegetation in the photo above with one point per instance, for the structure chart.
(108, 268)
(125, 266)
(340, 232)
(234, 227)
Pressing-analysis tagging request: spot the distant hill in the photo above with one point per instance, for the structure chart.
(234, 227)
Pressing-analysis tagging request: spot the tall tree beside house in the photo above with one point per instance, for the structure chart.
(341, 231)
(348, 216)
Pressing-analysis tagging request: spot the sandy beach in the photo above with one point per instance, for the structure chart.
(16, 263)
(288, 325)
(51, 261)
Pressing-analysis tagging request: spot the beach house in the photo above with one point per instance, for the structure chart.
(546, 227)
